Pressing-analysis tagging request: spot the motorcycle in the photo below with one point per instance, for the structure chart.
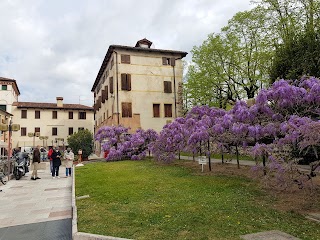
(21, 165)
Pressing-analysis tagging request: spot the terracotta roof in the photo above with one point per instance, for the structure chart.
(51, 106)
(136, 49)
(13, 81)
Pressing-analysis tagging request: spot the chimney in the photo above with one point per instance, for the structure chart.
(59, 101)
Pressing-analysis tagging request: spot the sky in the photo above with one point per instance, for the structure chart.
(54, 48)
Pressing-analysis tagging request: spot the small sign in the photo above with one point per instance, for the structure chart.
(202, 160)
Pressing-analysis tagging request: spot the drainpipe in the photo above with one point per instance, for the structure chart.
(118, 114)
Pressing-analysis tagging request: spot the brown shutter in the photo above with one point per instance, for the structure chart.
(107, 94)
(111, 84)
(129, 82)
(156, 110)
(172, 62)
(167, 87)
(103, 93)
(123, 81)
(164, 61)
(129, 109)
(123, 58)
(128, 59)
(168, 110)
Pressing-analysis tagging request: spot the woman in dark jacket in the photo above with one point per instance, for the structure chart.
(56, 162)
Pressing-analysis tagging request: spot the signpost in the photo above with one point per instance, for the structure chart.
(203, 161)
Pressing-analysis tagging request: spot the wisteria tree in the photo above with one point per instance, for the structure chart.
(281, 127)
(122, 145)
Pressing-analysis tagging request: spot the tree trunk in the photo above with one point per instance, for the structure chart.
(237, 154)
(264, 164)
(209, 156)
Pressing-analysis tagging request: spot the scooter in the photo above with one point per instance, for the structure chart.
(21, 165)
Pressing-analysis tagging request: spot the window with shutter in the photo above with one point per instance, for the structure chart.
(168, 110)
(23, 113)
(167, 87)
(126, 82)
(70, 130)
(107, 93)
(23, 131)
(54, 114)
(166, 61)
(125, 58)
(54, 131)
(126, 109)
(103, 94)
(111, 84)
(70, 115)
(156, 110)
(37, 114)
(37, 129)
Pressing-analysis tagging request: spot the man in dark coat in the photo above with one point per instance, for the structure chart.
(35, 163)
(56, 162)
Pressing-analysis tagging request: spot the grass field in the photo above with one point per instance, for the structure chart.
(144, 200)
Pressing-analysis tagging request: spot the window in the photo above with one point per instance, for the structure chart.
(4, 87)
(82, 115)
(70, 115)
(167, 87)
(107, 94)
(54, 114)
(37, 114)
(37, 130)
(125, 58)
(156, 110)
(23, 113)
(125, 82)
(54, 131)
(111, 84)
(70, 130)
(23, 131)
(168, 110)
(126, 109)
(3, 107)
(168, 61)
(80, 129)
(103, 96)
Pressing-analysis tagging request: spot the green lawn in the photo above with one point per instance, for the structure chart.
(143, 200)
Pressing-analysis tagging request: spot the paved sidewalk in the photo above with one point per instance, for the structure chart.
(45, 201)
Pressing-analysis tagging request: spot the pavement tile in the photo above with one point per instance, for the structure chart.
(61, 213)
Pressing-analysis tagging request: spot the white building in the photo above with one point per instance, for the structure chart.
(138, 87)
(54, 121)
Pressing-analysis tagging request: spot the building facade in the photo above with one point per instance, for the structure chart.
(9, 93)
(138, 87)
(49, 124)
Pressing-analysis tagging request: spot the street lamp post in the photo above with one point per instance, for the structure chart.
(9, 128)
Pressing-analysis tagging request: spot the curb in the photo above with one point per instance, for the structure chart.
(81, 235)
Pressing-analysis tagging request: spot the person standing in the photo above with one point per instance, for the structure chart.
(69, 157)
(56, 162)
(35, 163)
(50, 158)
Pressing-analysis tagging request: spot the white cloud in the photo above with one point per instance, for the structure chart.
(55, 48)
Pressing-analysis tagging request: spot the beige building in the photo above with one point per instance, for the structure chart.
(9, 93)
(56, 121)
(138, 87)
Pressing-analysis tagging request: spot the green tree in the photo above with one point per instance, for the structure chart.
(82, 139)
(233, 64)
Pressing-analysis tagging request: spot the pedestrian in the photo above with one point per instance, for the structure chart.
(69, 157)
(56, 162)
(35, 163)
(50, 158)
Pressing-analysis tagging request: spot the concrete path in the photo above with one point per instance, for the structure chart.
(36, 209)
